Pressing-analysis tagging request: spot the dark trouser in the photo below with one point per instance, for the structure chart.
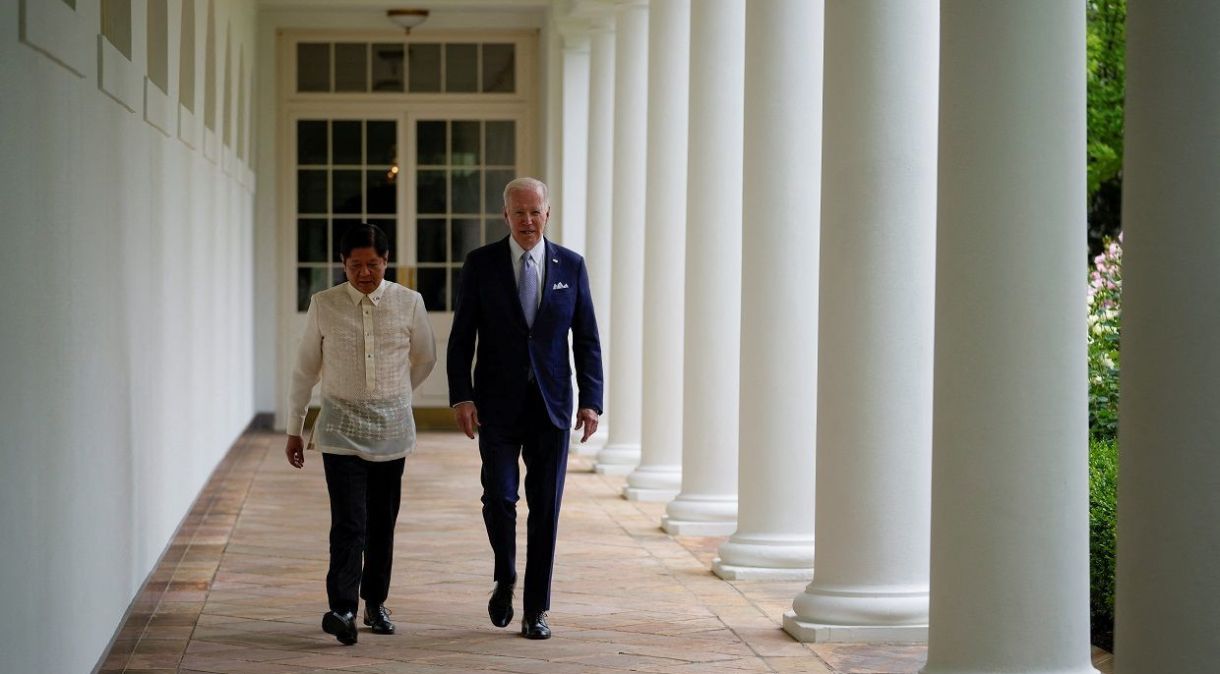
(364, 497)
(545, 450)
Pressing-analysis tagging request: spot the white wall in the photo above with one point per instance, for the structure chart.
(126, 339)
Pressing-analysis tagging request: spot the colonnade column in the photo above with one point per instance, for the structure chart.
(779, 292)
(625, 368)
(1169, 455)
(599, 223)
(707, 504)
(574, 159)
(874, 448)
(1010, 565)
(659, 475)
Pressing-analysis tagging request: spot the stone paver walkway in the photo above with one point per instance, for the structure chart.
(241, 588)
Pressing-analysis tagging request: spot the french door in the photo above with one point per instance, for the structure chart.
(431, 177)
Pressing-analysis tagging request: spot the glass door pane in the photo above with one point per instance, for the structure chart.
(347, 172)
(462, 167)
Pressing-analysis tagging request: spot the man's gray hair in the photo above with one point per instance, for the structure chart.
(524, 184)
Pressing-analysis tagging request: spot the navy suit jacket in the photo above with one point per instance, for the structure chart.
(488, 309)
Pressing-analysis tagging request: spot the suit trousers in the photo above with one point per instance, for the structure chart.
(364, 498)
(544, 449)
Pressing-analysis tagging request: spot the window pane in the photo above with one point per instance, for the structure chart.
(430, 240)
(465, 150)
(494, 229)
(424, 64)
(390, 227)
(346, 188)
(312, 141)
(461, 67)
(383, 197)
(313, 66)
(494, 190)
(337, 275)
(311, 191)
(311, 240)
(387, 67)
(348, 142)
(455, 279)
(498, 68)
(501, 143)
(351, 67)
(341, 227)
(431, 284)
(430, 192)
(382, 145)
(465, 184)
(430, 141)
(310, 280)
(465, 238)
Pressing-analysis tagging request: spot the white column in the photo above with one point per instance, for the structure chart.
(779, 290)
(874, 449)
(1169, 456)
(574, 154)
(624, 374)
(1009, 568)
(600, 224)
(659, 475)
(707, 504)
(574, 158)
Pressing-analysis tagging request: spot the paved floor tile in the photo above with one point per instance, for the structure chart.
(241, 589)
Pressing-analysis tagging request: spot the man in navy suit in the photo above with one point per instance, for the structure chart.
(521, 297)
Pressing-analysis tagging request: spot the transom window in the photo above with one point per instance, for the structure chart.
(397, 67)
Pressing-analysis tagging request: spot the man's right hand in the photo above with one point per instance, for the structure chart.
(467, 418)
(295, 451)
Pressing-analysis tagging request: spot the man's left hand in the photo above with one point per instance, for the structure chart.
(586, 418)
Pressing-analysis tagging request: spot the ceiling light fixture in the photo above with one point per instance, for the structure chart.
(407, 18)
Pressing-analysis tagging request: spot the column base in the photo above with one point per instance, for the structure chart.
(732, 572)
(823, 634)
(589, 447)
(982, 669)
(653, 483)
(650, 495)
(676, 527)
(618, 459)
(694, 515)
(766, 556)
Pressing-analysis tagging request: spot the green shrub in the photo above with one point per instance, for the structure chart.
(1103, 487)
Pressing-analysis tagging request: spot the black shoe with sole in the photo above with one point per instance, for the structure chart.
(377, 616)
(500, 606)
(341, 625)
(534, 625)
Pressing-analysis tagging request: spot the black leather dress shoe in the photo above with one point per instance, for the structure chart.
(534, 625)
(377, 616)
(342, 625)
(500, 606)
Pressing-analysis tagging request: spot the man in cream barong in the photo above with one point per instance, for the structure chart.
(370, 344)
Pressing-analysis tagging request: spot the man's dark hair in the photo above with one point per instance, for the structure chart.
(364, 235)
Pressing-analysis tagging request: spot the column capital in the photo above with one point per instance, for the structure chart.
(597, 15)
(575, 33)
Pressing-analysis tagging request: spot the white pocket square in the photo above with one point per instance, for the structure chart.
(559, 286)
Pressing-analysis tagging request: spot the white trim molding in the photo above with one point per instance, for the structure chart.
(58, 31)
(116, 75)
(158, 110)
